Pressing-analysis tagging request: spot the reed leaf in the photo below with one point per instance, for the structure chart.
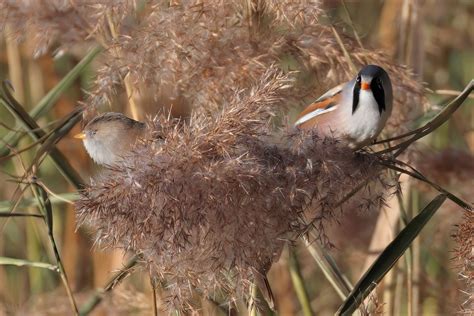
(389, 257)
(45, 104)
(330, 269)
(437, 121)
(45, 205)
(60, 161)
(23, 214)
(47, 210)
(418, 175)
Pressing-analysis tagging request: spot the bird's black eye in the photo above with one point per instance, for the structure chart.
(358, 79)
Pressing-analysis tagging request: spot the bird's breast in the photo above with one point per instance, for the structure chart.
(366, 122)
(99, 152)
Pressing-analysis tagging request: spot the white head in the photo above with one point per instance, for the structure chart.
(376, 80)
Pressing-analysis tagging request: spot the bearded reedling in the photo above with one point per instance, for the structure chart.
(355, 112)
(110, 136)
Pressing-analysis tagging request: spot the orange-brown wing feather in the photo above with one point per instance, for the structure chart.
(326, 103)
(319, 105)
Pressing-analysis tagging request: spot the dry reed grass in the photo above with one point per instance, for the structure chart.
(203, 50)
(464, 258)
(212, 200)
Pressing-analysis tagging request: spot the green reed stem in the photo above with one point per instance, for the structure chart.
(45, 206)
(298, 284)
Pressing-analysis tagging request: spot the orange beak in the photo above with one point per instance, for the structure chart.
(80, 135)
(365, 86)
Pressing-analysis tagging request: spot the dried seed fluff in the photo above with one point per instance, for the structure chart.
(216, 200)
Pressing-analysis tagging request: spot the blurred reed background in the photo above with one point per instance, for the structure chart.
(434, 38)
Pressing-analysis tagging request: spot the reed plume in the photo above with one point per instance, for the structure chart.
(212, 202)
(201, 51)
(57, 25)
(464, 257)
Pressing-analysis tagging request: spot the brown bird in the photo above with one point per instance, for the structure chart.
(110, 136)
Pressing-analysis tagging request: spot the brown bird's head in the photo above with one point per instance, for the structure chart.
(110, 136)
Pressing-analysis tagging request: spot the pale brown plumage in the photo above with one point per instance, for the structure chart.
(110, 136)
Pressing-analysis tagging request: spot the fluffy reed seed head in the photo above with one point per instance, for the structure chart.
(216, 47)
(464, 256)
(217, 199)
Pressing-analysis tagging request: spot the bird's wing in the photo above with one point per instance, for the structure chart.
(316, 111)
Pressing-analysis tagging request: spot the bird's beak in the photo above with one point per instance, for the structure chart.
(365, 86)
(80, 135)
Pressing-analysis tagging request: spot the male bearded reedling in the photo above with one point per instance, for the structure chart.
(355, 112)
(110, 136)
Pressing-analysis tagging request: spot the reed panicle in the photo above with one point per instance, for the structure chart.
(216, 48)
(464, 258)
(210, 202)
(59, 24)
(203, 50)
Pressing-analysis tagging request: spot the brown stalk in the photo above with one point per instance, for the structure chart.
(97, 297)
(14, 65)
(153, 285)
(385, 227)
(351, 23)
(344, 50)
(126, 80)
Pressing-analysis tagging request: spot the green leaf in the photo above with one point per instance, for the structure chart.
(441, 118)
(60, 161)
(389, 257)
(46, 208)
(45, 104)
(24, 214)
(45, 205)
